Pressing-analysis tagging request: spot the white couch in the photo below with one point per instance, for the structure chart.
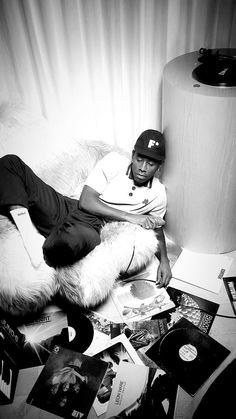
(63, 163)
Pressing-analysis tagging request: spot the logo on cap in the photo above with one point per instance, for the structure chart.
(152, 143)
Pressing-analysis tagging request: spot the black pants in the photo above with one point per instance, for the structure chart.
(70, 232)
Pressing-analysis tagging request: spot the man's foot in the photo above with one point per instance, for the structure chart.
(32, 240)
(35, 249)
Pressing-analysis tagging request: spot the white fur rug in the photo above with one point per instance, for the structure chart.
(25, 289)
(89, 281)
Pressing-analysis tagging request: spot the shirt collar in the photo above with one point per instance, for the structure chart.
(129, 173)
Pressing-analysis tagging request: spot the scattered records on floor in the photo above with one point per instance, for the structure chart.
(188, 354)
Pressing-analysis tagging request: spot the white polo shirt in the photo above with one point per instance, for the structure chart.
(111, 180)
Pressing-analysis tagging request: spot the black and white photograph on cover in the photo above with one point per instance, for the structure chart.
(119, 349)
(140, 391)
(68, 384)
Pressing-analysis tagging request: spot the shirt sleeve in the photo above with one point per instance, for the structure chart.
(160, 204)
(104, 171)
(158, 213)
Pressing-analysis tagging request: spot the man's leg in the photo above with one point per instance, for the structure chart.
(70, 243)
(31, 202)
(77, 235)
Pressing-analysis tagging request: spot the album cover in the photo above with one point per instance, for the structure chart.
(119, 349)
(40, 333)
(141, 334)
(68, 383)
(142, 392)
(188, 354)
(202, 270)
(11, 347)
(54, 327)
(199, 311)
(140, 299)
(230, 285)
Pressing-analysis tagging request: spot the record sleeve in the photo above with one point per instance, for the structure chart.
(72, 330)
(141, 334)
(140, 299)
(230, 286)
(68, 383)
(41, 332)
(198, 310)
(188, 354)
(117, 350)
(142, 392)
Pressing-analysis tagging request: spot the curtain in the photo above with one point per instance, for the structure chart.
(95, 66)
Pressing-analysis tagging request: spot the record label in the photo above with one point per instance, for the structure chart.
(71, 333)
(188, 352)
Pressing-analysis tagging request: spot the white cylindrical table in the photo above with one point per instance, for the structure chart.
(199, 123)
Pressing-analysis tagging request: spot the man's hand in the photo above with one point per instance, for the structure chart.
(149, 222)
(164, 274)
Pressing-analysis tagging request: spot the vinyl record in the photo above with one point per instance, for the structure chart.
(217, 68)
(191, 356)
(79, 333)
(221, 73)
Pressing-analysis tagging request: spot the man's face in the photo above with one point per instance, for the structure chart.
(143, 168)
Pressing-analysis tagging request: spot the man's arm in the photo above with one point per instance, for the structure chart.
(90, 202)
(164, 274)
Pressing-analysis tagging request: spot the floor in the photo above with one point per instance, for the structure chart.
(223, 330)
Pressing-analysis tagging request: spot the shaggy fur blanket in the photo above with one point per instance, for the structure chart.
(88, 282)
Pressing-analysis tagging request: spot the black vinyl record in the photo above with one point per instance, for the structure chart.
(188, 354)
(221, 74)
(217, 68)
(78, 335)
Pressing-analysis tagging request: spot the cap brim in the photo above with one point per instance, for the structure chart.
(149, 153)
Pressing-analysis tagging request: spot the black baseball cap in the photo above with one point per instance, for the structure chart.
(151, 143)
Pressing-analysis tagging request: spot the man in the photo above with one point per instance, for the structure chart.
(115, 190)
(118, 190)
